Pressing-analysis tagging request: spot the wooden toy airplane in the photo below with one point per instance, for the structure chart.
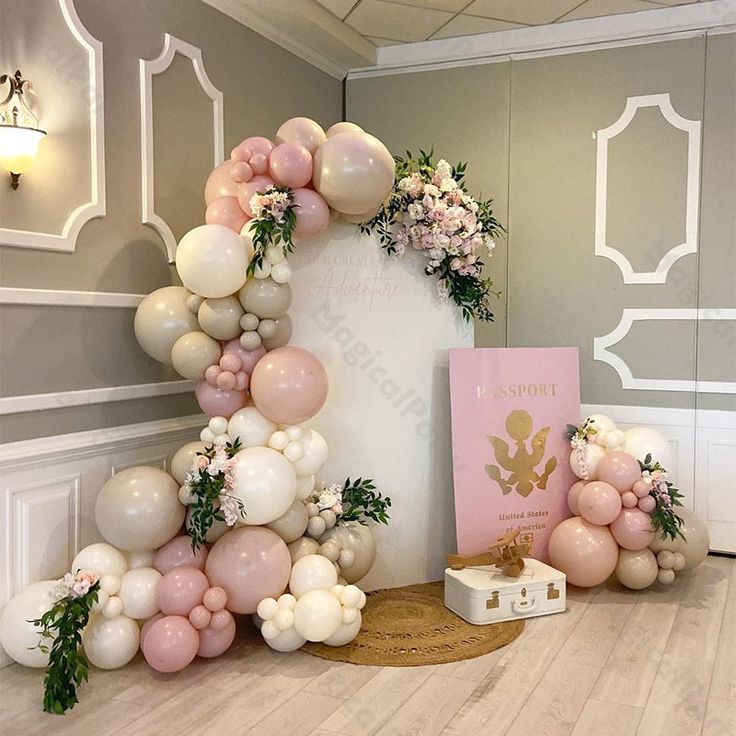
(506, 553)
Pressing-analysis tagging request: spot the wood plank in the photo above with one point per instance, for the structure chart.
(720, 717)
(298, 716)
(342, 680)
(607, 719)
(723, 684)
(477, 668)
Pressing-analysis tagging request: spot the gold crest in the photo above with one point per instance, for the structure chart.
(522, 476)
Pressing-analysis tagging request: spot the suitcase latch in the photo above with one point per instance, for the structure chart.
(552, 593)
(493, 601)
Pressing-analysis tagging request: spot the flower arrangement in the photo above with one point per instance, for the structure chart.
(274, 220)
(353, 501)
(68, 668)
(666, 497)
(209, 485)
(430, 210)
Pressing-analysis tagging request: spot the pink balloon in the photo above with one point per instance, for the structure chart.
(230, 362)
(258, 184)
(215, 402)
(220, 620)
(170, 644)
(619, 469)
(225, 211)
(312, 214)
(585, 552)
(289, 385)
(147, 626)
(572, 497)
(178, 553)
(240, 154)
(290, 165)
(256, 144)
(242, 379)
(220, 184)
(633, 529)
(180, 590)
(241, 172)
(641, 488)
(647, 504)
(599, 503)
(210, 375)
(226, 381)
(248, 358)
(259, 163)
(200, 617)
(215, 599)
(214, 642)
(249, 563)
(628, 499)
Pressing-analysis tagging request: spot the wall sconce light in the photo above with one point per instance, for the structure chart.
(19, 131)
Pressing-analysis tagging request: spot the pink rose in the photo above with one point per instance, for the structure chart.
(202, 462)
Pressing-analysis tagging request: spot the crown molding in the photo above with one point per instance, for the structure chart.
(305, 29)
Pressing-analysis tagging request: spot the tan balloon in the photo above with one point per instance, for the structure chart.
(354, 172)
(636, 569)
(220, 318)
(282, 335)
(343, 127)
(292, 524)
(193, 353)
(363, 217)
(302, 130)
(183, 458)
(302, 547)
(265, 298)
(357, 538)
(697, 540)
(161, 319)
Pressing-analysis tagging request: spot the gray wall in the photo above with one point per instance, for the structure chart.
(46, 349)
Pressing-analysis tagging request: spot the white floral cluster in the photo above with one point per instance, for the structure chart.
(272, 204)
(75, 586)
(220, 465)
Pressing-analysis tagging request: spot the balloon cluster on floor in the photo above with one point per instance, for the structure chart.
(628, 518)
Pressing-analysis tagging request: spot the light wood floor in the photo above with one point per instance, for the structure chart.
(657, 663)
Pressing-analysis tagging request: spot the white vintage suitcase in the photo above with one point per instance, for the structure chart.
(484, 595)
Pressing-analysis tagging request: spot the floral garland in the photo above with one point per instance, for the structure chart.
(209, 485)
(75, 595)
(353, 501)
(666, 497)
(274, 221)
(438, 217)
(579, 438)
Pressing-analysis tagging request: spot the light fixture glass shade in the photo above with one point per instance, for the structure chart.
(18, 147)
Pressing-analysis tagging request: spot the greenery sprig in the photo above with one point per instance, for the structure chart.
(581, 434)
(360, 502)
(273, 224)
(664, 518)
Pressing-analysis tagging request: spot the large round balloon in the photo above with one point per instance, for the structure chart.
(220, 183)
(317, 615)
(139, 509)
(311, 572)
(643, 441)
(585, 552)
(226, 211)
(250, 427)
(170, 644)
(265, 482)
(619, 469)
(220, 318)
(353, 172)
(636, 569)
(214, 642)
(584, 462)
(292, 523)
(212, 261)
(301, 130)
(18, 635)
(290, 165)
(180, 590)
(138, 592)
(177, 553)
(265, 298)
(312, 214)
(599, 503)
(101, 557)
(694, 548)
(358, 539)
(250, 564)
(217, 402)
(161, 319)
(110, 643)
(289, 385)
(193, 353)
(345, 633)
(632, 529)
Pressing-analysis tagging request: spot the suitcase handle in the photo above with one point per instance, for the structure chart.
(523, 606)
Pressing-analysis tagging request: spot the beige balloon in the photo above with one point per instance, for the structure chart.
(302, 130)
(292, 524)
(353, 172)
(357, 538)
(265, 298)
(220, 318)
(636, 569)
(161, 319)
(282, 335)
(696, 544)
(302, 547)
(343, 127)
(362, 217)
(183, 458)
(193, 353)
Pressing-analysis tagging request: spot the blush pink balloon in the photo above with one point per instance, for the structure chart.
(249, 563)
(647, 504)
(256, 144)
(628, 499)
(170, 644)
(242, 380)
(180, 590)
(289, 385)
(225, 380)
(259, 163)
(240, 153)
(619, 469)
(214, 642)
(641, 488)
(215, 599)
(633, 529)
(572, 497)
(241, 172)
(585, 552)
(312, 214)
(290, 165)
(210, 375)
(258, 184)
(178, 553)
(200, 617)
(225, 211)
(147, 626)
(599, 503)
(248, 358)
(220, 184)
(215, 402)
(230, 362)
(220, 620)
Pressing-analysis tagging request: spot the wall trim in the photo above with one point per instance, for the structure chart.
(149, 69)
(67, 239)
(59, 298)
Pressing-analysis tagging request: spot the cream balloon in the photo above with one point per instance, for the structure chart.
(183, 458)
(694, 548)
(304, 131)
(139, 509)
(138, 592)
(212, 261)
(18, 635)
(317, 615)
(636, 569)
(343, 127)
(345, 633)
(220, 318)
(265, 482)
(584, 462)
(291, 525)
(140, 559)
(193, 353)
(110, 643)
(643, 441)
(304, 486)
(302, 547)
(357, 538)
(312, 572)
(250, 427)
(265, 298)
(101, 557)
(314, 456)
(161, 319)
(286, 641)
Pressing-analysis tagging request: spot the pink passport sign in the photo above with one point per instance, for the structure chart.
(510, 455)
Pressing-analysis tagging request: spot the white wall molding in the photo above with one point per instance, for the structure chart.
(690, 244)
(59, 298)
(149, 69)
(95, 207)
(602, 344)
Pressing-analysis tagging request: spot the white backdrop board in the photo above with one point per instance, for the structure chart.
(383, 335)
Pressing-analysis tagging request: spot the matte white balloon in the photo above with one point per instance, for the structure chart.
(345, 633)
(641, 441)
(267, 609)
(286, 641)
(312, 572)
(140, 559)
(314, 455)
(19, 637)
(586, 460)
(304, 486)
(343, 127)
(317, 615)
(138, 592)
(291, 525)
(101, 557)
(183, 458)
(113, 608)
(304, 131)
(110, 643)
(250, 427)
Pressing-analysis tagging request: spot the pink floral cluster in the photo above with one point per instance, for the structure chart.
(219, 465)
(75, 586)
(658, 481)
(272, 204)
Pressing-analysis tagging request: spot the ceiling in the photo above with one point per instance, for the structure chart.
(391, 22)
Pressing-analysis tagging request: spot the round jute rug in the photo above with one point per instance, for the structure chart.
(410, 626)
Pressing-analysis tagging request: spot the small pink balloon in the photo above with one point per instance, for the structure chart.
(215, 402)
(256, 144)
(259, 163)
(585, 552)
(214, 642)
(619, 469)
(147, 626)
(219, 184)
(633, 529)
(215, 598)
(257, 185)
(240, 153)
(220, 619)
(647, 504)
(180, 590)
(290, 165)
(599, 503)
(178, 553)
(199, 617)
(248, 358)
(230, 362)
(628, 499)
(241, 381)
(241, 172)
(170, 644)
(312, 214)
(226, 211)
(226, 381)
(210, 375)
(641, 489)
(572, 497)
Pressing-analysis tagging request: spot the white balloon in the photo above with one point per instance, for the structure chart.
(269, 630)
(265, 482)
(284, 619)
(110, 643)
(287, 600)
(140, 559)
(312, 572)
(345, 633)
(138, 592)
(267, 609)
(286, 641)
(304, 486)
(318, 615)
(110, 583)
(113, 608)
(218, 425)
(349, 614)
(314, 455)
(251, 427)
(602, 424)
(350, 596)
(292, 524)
(183, 458)
(101, 557)
(641, 441)
(343, 127)
(591, 455)
(19, 637)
